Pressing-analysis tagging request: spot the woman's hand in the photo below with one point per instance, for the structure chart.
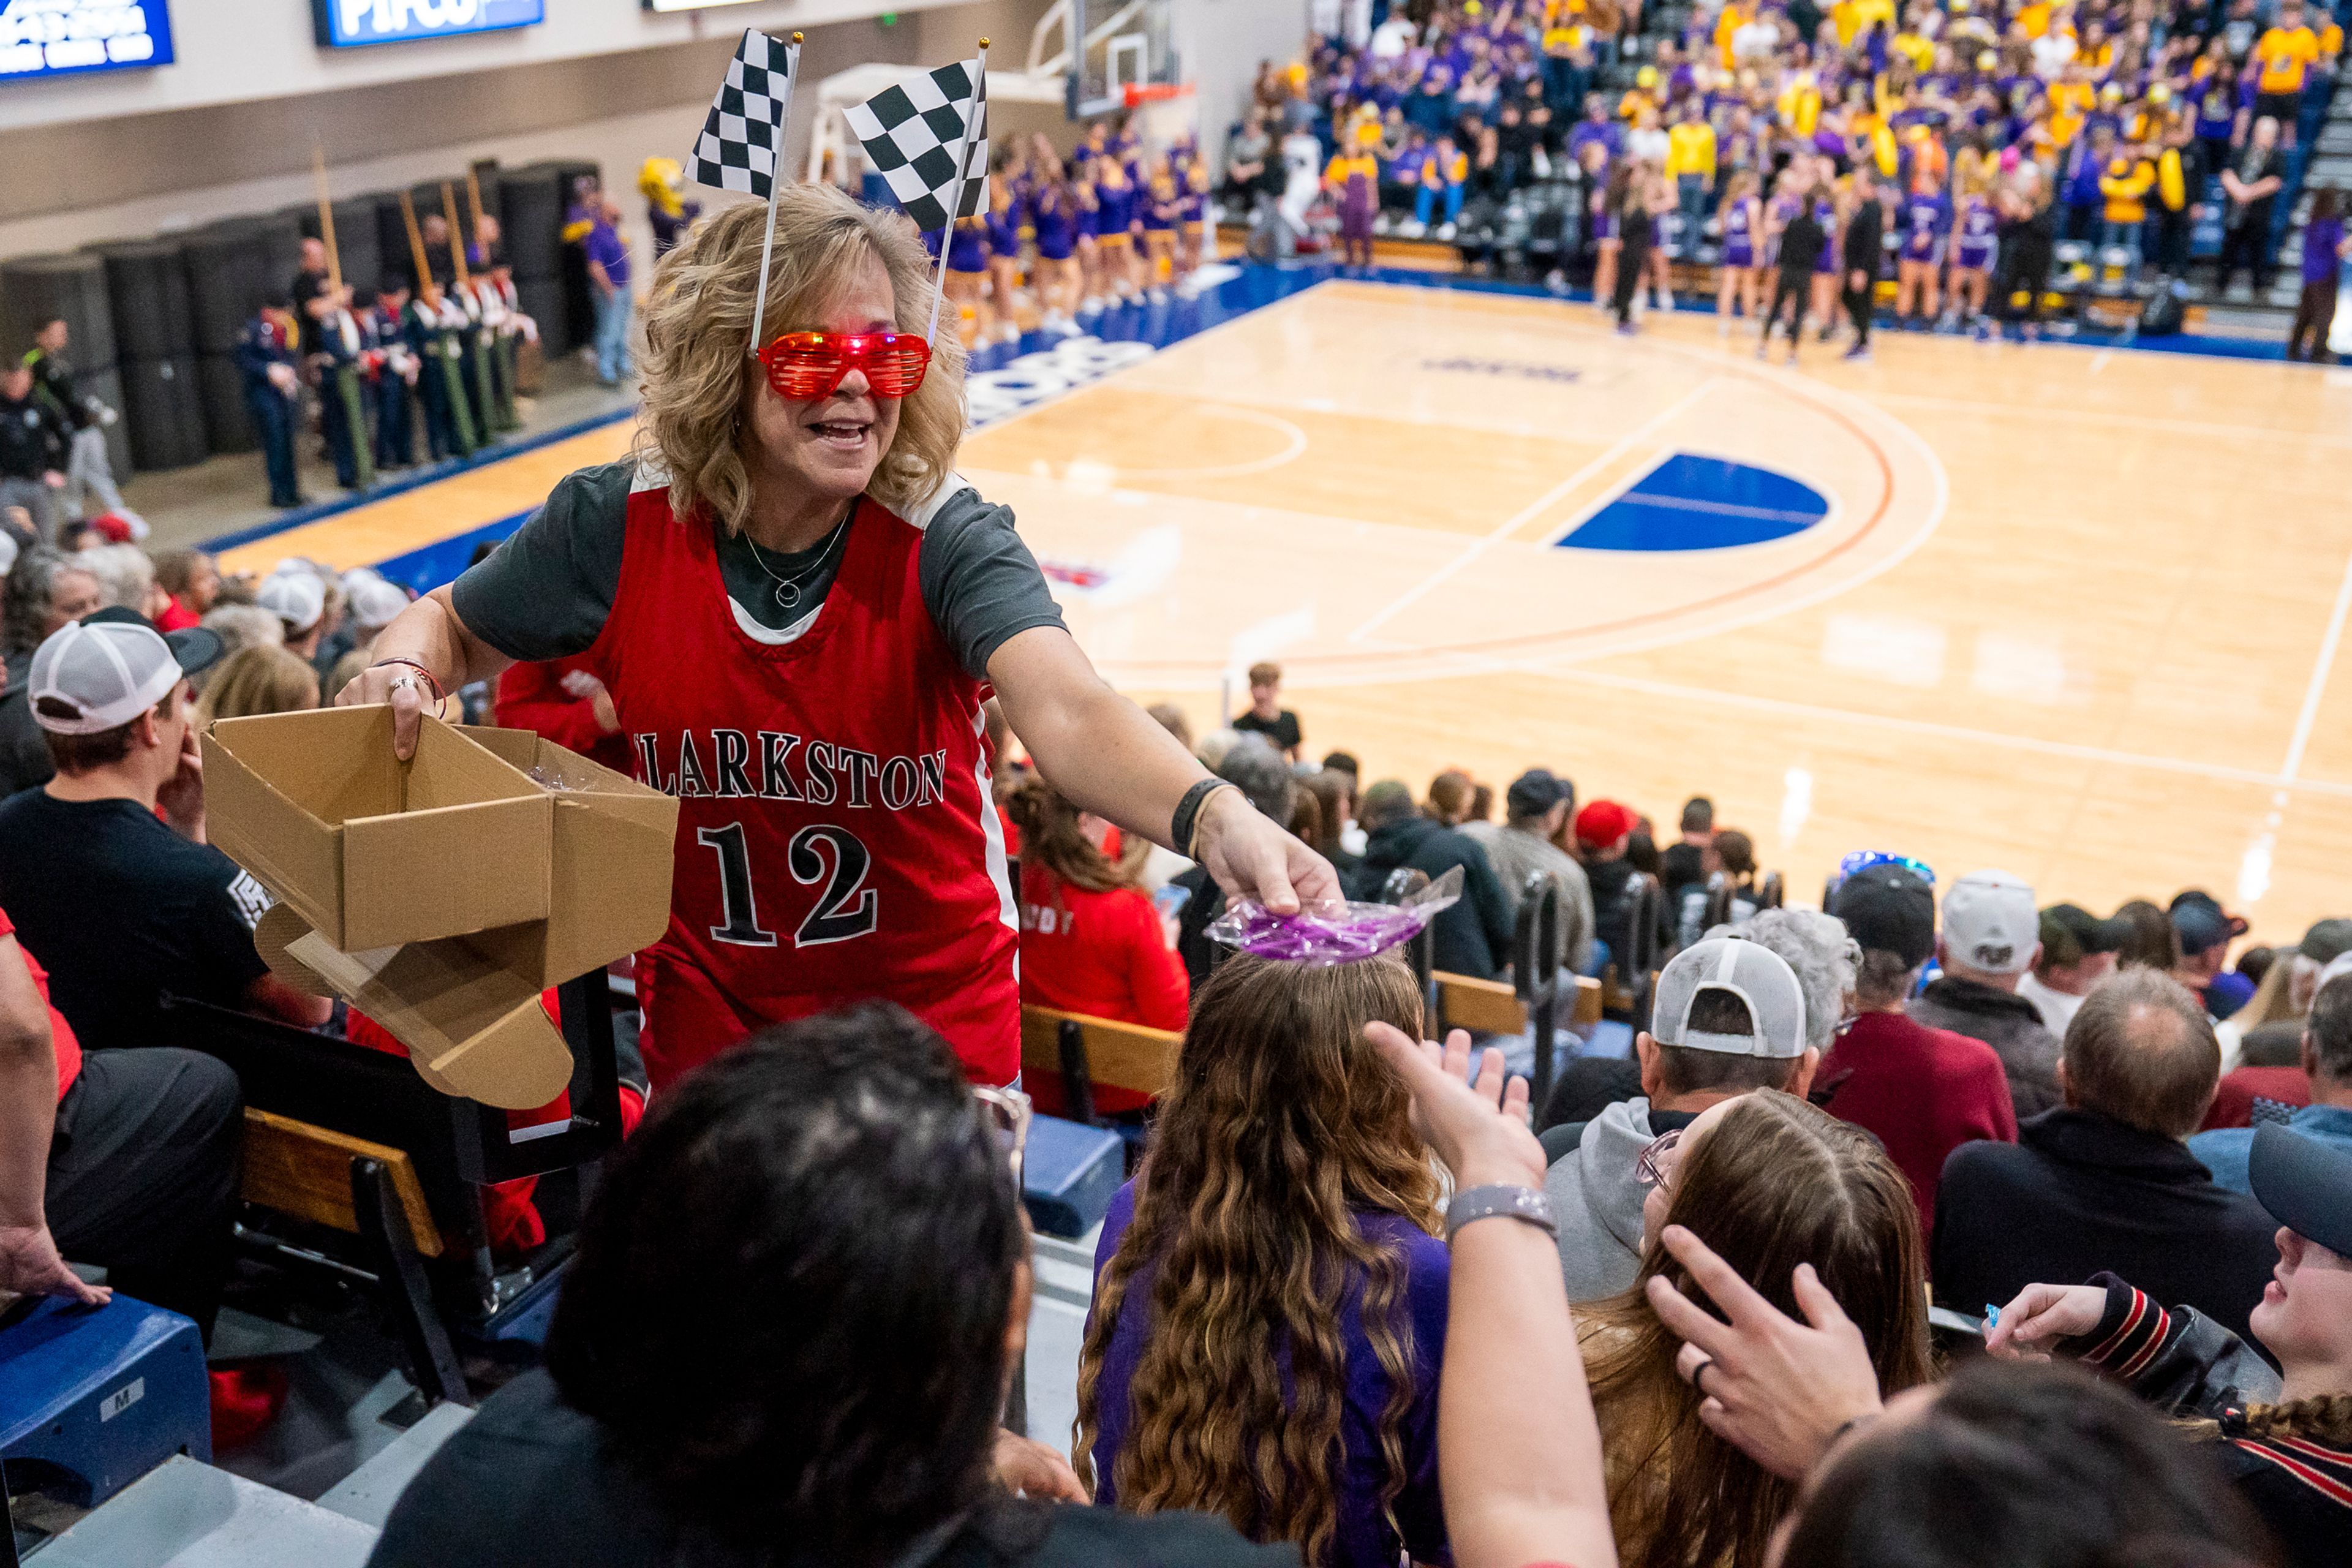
(583, 687)
(1776, 1389)
(400, 685)
(1252, 857)
(1479, 1129)
(2042, 1316)
(1031, 1470)
(29, 1266)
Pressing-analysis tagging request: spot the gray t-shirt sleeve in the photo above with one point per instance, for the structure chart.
(544, 594)
(980, 583)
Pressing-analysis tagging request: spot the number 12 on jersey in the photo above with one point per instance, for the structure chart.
(845, 909)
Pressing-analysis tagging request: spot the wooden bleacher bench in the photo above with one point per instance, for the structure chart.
(298, 1169)
(1085, 1053)
(353, 1142)
(370, 1191)
(1491, 1006)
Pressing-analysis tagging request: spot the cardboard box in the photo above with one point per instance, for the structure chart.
(372, 851)
(440, 896)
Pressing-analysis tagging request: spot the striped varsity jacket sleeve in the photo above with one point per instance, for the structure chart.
(2177, 1359)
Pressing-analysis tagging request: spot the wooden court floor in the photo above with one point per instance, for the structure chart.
(2073, 613)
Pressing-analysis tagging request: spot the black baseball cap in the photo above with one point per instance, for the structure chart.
(2327, 941)
(2305, 1185)
(194, 648)
(1890, 909)
(1533, 792)
(2071, 933)
(2200, 925)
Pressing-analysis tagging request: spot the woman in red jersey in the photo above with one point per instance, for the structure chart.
(798, 608)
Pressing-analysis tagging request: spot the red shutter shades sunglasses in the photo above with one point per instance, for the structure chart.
(807, 365)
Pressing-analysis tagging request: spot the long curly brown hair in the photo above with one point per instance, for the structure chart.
(1775, 1184)
(1283, 1124)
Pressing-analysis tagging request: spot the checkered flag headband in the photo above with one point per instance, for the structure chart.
(742, 140)
(919, 133)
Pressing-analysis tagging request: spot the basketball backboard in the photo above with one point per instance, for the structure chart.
(1123, 54)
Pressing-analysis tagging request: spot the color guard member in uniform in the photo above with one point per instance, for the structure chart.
(268, 358)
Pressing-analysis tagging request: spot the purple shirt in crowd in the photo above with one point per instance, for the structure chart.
(2321, 236)
(1364, 1539)
(607, 250)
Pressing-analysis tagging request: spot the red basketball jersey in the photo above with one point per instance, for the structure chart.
(835, 841)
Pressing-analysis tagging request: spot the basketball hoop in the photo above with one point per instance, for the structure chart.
(1137, 94)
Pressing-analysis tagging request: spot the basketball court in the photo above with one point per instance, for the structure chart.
(2068, 610)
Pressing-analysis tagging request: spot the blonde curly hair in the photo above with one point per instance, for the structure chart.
(698, 366)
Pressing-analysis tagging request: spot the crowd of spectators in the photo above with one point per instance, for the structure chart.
(1930, 1091)
(113, 903)
(1982, 136)
(1697, 1331)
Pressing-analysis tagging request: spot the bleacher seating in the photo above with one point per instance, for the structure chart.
(365, 1165)
(93, 1398)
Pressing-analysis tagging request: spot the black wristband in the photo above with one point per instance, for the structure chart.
(1187, 820)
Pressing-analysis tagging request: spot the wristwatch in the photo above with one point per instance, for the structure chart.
(1486, 1203)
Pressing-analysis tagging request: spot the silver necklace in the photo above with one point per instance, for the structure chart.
(788, 589)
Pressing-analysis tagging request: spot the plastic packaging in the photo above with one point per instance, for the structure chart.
(555, 781)
(1336, 930)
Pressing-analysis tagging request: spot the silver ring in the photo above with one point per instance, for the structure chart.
(408, 681)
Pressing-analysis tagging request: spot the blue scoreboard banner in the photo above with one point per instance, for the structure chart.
(44, 38)
(348, 23)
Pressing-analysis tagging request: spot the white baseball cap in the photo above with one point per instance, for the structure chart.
(1990, 923)
(107, 672)
(1749, 971)
(295, 598)
(376, 605)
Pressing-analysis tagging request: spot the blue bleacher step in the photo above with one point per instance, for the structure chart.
(102, 1393)
(1070, 1174)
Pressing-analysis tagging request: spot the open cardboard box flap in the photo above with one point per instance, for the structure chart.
(472, 1026)
(371, 851)
(352, 842)
(609, 871)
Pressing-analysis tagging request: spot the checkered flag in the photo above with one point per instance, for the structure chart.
(737, 150)
(911, 133)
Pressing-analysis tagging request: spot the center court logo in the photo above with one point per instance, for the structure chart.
(1035, 378)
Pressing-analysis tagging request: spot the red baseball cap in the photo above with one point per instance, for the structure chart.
(1604, 822)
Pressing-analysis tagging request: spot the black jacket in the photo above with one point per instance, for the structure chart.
(2079, 1192)
(1474, 936)
(2007, 1022)
(1865, 241)
(25, 760)
(2184, 1363)
(34, 437)
(53, 381)
(531, 1482)
(1802, 242)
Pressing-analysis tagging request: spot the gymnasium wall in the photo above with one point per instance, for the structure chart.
(232, 51)
(155, 172)
(1220, 43)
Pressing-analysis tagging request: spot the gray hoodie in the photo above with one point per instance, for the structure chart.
(1598, 1203)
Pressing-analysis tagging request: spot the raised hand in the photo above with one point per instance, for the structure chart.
(1479, 1129)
